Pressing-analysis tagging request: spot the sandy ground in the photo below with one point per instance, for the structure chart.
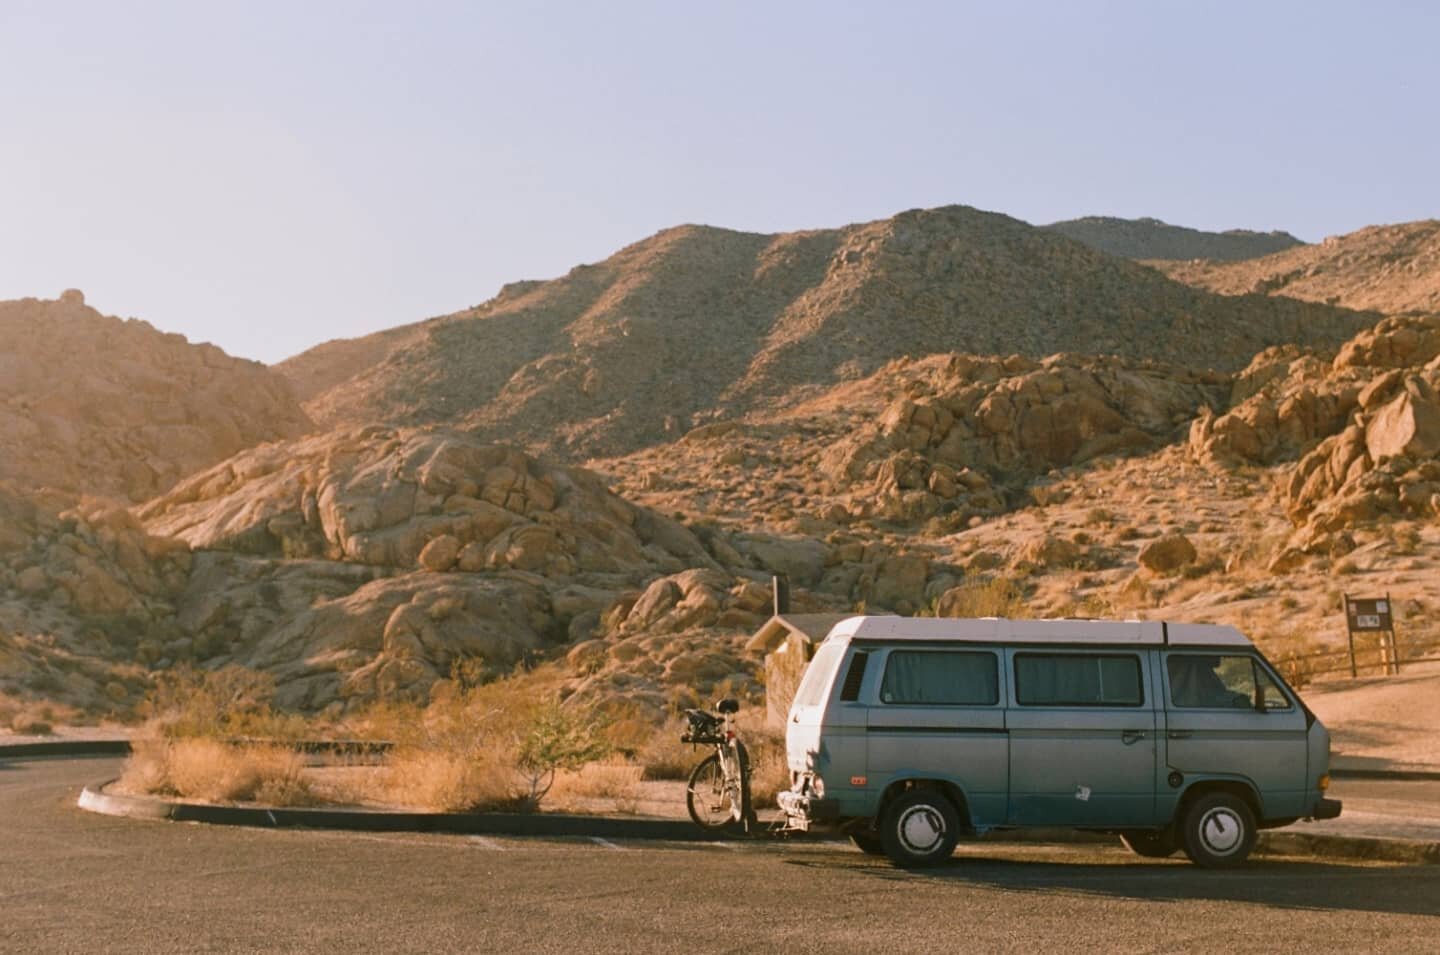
(1383, 722)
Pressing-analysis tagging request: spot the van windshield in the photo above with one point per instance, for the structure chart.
(817, 676)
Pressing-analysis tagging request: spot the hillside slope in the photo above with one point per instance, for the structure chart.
(97, 405)
(698, 323)
(1152, 239)
(1384, 268)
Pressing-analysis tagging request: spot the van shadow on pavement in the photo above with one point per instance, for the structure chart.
(1283, 883)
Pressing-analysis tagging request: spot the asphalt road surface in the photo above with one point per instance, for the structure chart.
(71, 881)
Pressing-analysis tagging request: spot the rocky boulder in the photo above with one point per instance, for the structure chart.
(1168, 554)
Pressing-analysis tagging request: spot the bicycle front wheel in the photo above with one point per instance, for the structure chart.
(708, 798)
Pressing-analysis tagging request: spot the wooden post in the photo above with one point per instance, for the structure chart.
(1350, 633)
(1394, 640)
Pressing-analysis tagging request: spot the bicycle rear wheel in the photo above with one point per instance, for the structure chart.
(708, 798)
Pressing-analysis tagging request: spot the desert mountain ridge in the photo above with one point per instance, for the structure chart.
(1392, 269)
(1148, 238)
(698, 324)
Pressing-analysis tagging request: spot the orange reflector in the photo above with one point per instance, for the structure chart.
(857, 780)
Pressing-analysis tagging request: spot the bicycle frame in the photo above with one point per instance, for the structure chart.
(719, 733)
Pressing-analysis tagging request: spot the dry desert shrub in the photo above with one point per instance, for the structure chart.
(617, 781)
(984, 597)
(665, 757)
(214, 771)
(37, 721)
(485, 747)
(219, 772)
(769, 774)
(228, 703)
(449, 780)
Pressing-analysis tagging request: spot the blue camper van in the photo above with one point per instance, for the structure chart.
(909, 733)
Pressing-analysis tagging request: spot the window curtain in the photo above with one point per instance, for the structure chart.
(940, 677)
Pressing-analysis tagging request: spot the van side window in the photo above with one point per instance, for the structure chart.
(1077, 679)
(1221, 682)
(850, 689)
(941, 677)
(1271, 695)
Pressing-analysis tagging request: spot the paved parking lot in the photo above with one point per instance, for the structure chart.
(73, 881)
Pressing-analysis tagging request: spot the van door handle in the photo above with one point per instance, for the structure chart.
(1130, 737)
(1180, 734)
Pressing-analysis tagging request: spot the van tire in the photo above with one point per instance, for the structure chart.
(1218, 830)
(868, 843)
(919, 828)
(1150, 844)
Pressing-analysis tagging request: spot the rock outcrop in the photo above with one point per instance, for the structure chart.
(86, 598)
(97, 405)
(961, 443)
(407, 499)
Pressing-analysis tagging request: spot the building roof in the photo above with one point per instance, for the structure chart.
(812, 627)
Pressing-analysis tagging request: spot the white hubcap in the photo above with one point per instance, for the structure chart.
(921, 828)
(1222, 831)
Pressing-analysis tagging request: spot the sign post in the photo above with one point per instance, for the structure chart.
(1373, 615)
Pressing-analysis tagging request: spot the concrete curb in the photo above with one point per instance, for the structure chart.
(360, 820)
(1349, 847)
(122, 747)
(1397, 774)
(83, 747)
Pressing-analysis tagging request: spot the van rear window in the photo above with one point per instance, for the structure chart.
(1077, 679)
(818, 675)
(941, 677)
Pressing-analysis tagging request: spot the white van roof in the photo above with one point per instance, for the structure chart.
(1001, 630)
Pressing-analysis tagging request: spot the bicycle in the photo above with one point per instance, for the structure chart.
(718, 792)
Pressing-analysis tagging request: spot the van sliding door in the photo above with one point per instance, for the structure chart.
(1082, 738)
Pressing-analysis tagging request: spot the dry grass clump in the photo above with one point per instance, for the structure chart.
(33, 721)
(615, 781)
(984, 597)
(229, 703)
(496, 746)
(769, 774)
(214, 771)
(665, 757)
(448, 780)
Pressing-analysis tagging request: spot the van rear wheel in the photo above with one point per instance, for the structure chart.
(1150, 844)
(919, 828)
(1218, 831)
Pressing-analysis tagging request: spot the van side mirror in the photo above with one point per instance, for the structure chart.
(728, 706)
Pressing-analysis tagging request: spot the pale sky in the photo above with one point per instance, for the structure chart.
(266, 176)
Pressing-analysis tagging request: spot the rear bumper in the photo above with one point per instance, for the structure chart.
(803, 810)
(1326, 809)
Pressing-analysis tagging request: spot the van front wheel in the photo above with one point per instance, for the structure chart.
(1218, 831)
(919, 828)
